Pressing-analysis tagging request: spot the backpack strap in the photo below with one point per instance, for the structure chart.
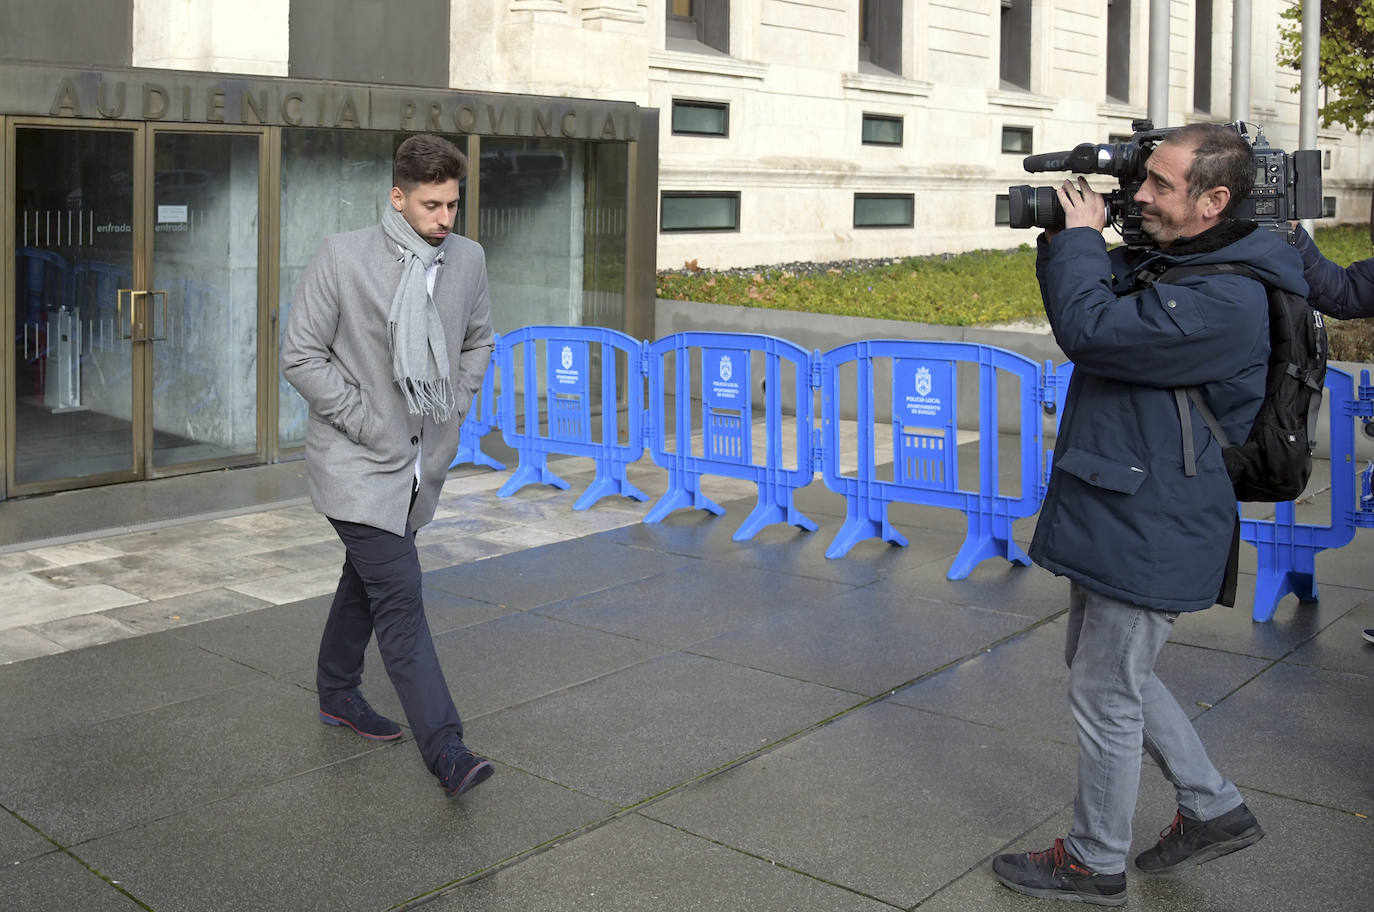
(1182, 395)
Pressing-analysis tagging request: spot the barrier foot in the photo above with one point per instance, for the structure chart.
(1272, 582)
(475, 456)
(766, 513)
(530, 473)
(856, 528)
(978, 548)
(678, 498)
(606, 484)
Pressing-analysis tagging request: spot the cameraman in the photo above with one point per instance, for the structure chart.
(1140, 514)
(1339, 292)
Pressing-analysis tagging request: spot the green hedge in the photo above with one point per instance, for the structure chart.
(985, 286)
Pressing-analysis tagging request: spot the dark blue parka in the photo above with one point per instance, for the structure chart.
(1342, 293)
(1121, 517)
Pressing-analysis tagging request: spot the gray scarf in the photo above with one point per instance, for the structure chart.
(419, 357)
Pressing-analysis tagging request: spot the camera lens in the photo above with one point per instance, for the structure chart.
(1034, 207)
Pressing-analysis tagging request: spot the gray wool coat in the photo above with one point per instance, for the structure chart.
(361, 442)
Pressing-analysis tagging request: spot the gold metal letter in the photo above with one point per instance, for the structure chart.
(435, 112)
(214, 105)
(257, 105)
(103, 109)
(569, 125)
(291, 109)
(543, 122)
(348, 112)
(465, 119)
(65, 104)
(154, 101)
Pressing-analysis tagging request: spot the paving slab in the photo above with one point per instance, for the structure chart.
(538, 576)
(692, 604)
(1023, 684)
(1301, 732)
(1341, 646)
(362, 835)
(184, 755)
(512, 660)
(112, 681)
(57, 882)
(782, 548)
(638, 865)
(996, 584)
(864, 641)
(1294, 623)
(19, 841)
(628, 736)
(889, 801)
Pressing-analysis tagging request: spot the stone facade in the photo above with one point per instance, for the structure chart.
(797, 79)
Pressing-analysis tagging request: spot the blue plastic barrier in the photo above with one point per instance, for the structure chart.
(567, 401)
(1288, 549)
(480, 420)
(924, 447)
(727, 424)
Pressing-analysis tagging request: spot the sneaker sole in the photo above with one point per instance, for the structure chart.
(1096, 899)
(475, 777)
(327, 719)
(1210, 853)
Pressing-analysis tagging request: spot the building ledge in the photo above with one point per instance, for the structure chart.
(1005, 99)
(710, 64)
(884, 85)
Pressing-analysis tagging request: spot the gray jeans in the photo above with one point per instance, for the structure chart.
(1120, 706)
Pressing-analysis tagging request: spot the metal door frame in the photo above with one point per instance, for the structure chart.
(266, 321)
(143, 134)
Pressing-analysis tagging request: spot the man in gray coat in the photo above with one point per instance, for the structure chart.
(388, 339)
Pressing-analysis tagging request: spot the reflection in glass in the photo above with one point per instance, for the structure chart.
(73, 237)
(552, 223)
(205, 326)
(331, 181)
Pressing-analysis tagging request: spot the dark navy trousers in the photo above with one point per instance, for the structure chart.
(379, 592)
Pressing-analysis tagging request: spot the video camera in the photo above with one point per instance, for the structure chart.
(1288, 186)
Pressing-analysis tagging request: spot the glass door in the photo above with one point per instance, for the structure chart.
(137, 297)
(72, 399)
(203, 296)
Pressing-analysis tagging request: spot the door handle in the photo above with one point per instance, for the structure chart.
(119, 313)
(152, 324)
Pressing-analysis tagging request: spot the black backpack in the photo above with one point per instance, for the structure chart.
(1275, 461)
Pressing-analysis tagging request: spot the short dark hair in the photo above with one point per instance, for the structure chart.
(1221, 158)
(427, 159)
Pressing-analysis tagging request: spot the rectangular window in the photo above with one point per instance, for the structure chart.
(1328, 207)
(1016, 44)
(699, 211)
(880, 34)
(1017, 140)
(1003, 212)
(703, 22)
(701, 118)
(1119, 50)
(1326, 160)
(884, 210)
(1202, 57)
(881, 130)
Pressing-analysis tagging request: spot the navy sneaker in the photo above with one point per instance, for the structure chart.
(1055, 874)
(459, 769)
(1188, 842)
(349, 708)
